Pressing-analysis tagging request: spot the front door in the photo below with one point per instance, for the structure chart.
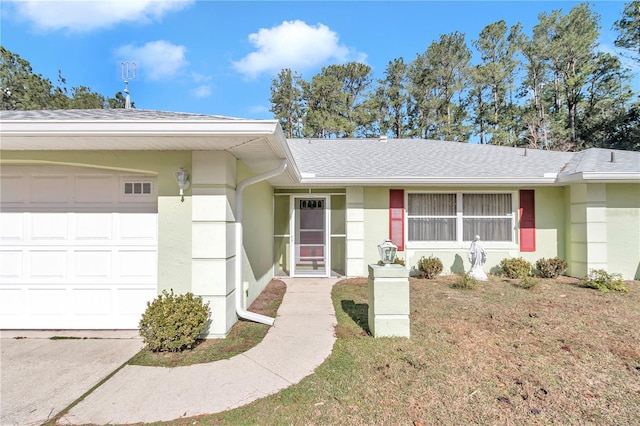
(310, 246)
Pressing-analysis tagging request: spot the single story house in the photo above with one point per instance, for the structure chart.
(93, 225)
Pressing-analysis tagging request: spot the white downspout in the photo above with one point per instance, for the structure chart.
(240, 311)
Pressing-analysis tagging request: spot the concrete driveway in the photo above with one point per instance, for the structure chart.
(39, 377)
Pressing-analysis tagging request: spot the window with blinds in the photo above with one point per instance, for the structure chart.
(460, 217)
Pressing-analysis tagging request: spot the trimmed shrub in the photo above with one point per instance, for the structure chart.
(551, 268)
(465, 282)
(515, 267)
(430, 267)
(396, 261)
(527, 283)
(173, 322)
(600, 279)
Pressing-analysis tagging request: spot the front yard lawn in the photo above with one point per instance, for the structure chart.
(555, 353)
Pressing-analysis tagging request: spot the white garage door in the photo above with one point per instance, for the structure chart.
(78, 247)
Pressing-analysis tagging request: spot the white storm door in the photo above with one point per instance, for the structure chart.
(310, 245)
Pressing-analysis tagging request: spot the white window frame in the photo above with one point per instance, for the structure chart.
(459, 242)
(137, 197)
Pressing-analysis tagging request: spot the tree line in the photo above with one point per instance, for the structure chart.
(22, 89)
(552, 89)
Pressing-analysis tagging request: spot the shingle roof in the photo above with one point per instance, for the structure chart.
(598, 160)
(428, 159)
(106, 114)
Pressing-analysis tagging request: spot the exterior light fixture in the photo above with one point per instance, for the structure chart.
(182, 178)
(387, 251)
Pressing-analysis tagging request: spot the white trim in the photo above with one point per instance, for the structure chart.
(427, 180)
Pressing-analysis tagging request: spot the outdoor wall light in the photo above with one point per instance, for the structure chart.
(182, 178)
(387, 251)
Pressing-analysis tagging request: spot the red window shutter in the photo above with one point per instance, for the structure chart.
(396, 217)
(527, 220)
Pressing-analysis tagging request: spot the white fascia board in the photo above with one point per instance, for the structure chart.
(136, 127)
(605, 177)
(282, 149)
(414, 181)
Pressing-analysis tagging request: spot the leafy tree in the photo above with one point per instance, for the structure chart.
(493, 82)
(392, 100)
(628, 27)
(436, 77)
(336, 101)
(570, 42)
(287, 102)
(22, 89)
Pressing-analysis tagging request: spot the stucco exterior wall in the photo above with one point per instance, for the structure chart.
(550, 231)
(174, 217)
(623, 229)
(258, 241)
(588, 214)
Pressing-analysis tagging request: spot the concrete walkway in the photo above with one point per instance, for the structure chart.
(300, 340)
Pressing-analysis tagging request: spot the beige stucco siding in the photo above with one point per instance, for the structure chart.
(174, 217)
(623, 229)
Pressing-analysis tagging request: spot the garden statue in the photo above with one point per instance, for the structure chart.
(477, 256)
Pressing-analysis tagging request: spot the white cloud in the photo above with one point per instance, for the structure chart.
(88, 15)
(154, 60)
(203, 91)
(295, 45)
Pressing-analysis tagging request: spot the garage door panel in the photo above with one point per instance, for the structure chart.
(91, 301)
(93, 264)
(11, 227)
(95, 189)
(138, 264)
(47, 301)
(138, 227)
(11, 265)
(50, 189)
(94, 226)
(13, 188)
(10, 301)
(49, 226)
(48, 263)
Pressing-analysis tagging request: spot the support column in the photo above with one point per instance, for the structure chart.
(389, 301)
(588, 228)
(355, 231)
(213, 236)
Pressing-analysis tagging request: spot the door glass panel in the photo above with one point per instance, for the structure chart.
(310, 237)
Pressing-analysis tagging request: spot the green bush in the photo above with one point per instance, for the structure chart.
(173, 323)
(515, 267)
(430, 267)
(396, 261)
(550, 268)
(603, 281)
(465, 282)
(527, 283)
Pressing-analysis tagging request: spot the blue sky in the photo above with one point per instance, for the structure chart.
(216, 57)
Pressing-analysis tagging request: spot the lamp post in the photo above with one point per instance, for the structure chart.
(388, 295)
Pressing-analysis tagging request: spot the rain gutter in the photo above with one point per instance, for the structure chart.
(240, 310)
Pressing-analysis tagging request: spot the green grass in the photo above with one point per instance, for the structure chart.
(555, 353)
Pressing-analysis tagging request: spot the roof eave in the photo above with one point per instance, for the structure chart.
(601, 177)
(39, 128)
(423, 181)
